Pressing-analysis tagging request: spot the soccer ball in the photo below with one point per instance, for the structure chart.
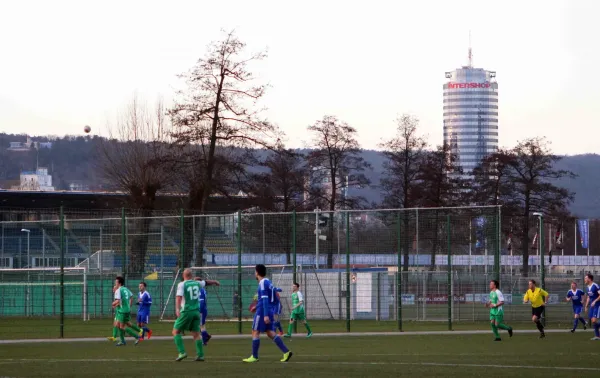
(87, 129)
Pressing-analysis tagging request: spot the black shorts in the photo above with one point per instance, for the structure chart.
(537, 311)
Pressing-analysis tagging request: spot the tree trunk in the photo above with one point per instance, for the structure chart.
(138, 245)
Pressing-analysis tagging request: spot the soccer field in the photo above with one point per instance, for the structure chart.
(561, 354)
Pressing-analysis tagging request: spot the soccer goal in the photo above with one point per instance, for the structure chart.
(35, 292)
(223, 300)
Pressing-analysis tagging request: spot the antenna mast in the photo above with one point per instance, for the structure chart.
(470, 52)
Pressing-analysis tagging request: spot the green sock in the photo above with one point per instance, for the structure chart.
(199, 349)
(307, 327)
(179, 343)
(495, 330)
(135, 327)
(115, 332)
(290, 328)
(504, 326)
(132, 333)
(122, 335)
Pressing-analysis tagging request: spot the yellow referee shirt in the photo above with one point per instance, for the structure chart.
(536, 297)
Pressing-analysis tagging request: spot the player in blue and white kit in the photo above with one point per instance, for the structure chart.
(263, 319)
(593, 302)
(143, 315)
(575, 295)
(203, 308)
(203, 314)
(277, 310)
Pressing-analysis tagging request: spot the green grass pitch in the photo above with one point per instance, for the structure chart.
(561, 354)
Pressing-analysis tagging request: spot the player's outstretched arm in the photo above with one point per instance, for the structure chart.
(212, 283)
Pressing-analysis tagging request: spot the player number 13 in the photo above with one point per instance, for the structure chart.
(194, 292)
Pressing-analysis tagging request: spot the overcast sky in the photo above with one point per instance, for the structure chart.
(65, 64)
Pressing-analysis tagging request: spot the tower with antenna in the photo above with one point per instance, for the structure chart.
(471, 113)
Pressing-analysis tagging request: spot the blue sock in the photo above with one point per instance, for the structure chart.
(582, 320)
(255, 346)
(278, 326)
(204, 336)
(575, 323)
(277, 340)
(144, 330)
(597, 329)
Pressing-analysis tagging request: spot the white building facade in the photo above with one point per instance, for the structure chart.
(36, 180)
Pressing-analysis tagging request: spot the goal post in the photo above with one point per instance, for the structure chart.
(35, 292)
(223, 301)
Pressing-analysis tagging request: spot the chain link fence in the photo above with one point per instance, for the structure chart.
(346, 262)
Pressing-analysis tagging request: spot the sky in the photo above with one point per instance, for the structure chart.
(66, 64)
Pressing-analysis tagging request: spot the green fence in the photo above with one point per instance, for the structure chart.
(347, 264)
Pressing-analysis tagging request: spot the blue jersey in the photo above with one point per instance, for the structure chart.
(276, 303)
(593, 292)
(266, 294)
(146, 302)
(202, 300)
(576, 297)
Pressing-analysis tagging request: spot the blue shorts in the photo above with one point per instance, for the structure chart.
(577, 309)
(259, 323)
(143, 317)
(594, 312)
(203, 315)
(277, 310)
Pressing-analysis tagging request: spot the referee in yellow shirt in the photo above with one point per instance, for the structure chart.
(538, 298)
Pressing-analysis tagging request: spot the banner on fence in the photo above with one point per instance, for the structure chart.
(438, 299)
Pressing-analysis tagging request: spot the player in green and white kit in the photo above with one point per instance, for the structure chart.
(122, 305)
(188, 316)
(496, 305)
(297, 311)
(115, 332)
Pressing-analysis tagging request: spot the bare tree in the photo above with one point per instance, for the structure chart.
(281, 188)
(531, 181)
(335, 163)
(441, 186)
(404, 153)
(132, 160)
(219, 110)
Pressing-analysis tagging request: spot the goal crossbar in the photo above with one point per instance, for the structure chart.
(212, 270)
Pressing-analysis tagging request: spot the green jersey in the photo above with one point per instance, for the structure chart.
(495, 298)
(124, 295)
(296, 299)
(190, 292)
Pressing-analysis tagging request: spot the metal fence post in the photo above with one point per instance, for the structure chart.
(294, 246)
(399, 272)
(62, 272)
(294, 257)
(124, 241)
(450, 299)
(498, 244)
(239, 269)
(347, 271)
(181, 239)
(542, 264)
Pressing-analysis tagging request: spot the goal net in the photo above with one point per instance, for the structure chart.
(36, 292)
(223, 300)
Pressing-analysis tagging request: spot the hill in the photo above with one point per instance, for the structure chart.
(72, 160)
